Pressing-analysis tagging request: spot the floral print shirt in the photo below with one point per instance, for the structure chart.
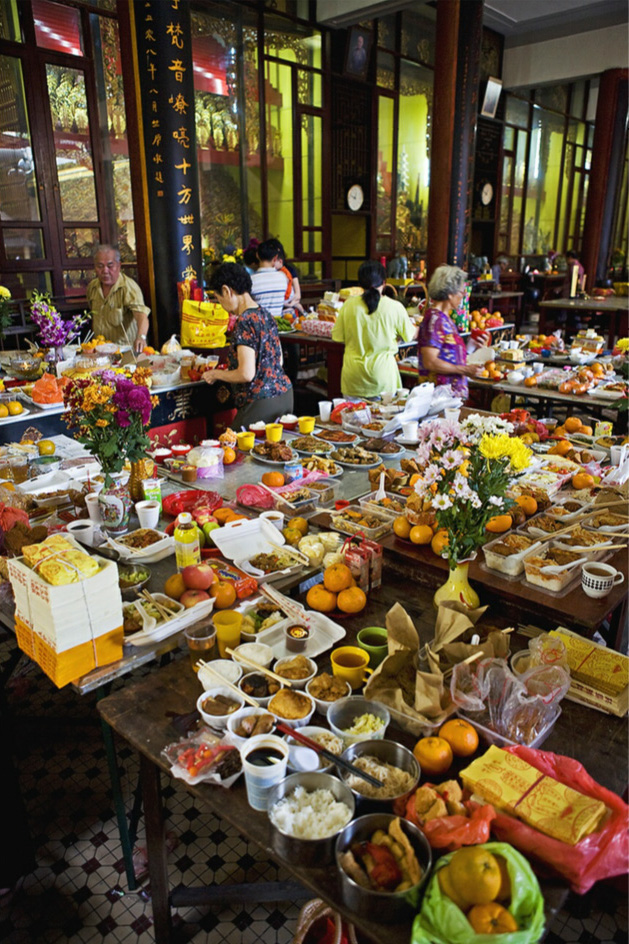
(256, 328)
(439, 331)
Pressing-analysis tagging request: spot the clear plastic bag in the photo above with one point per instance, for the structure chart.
(201, 758)
(518, 708)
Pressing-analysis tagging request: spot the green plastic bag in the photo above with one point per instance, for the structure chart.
(440, 921)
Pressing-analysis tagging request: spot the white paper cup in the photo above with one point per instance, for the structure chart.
(514, 345)
(275, 517)
(614, 454)
(409, 430)
(259, 780)
(387, 398)
(325, 408)
(337, 401)
(93, 507)
(82, 530)
(148, 513)
(538, 367)
(452, 414)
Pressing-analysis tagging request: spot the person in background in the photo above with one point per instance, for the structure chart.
(116, 301)
(499, 266)
(262, 390)
(369, 325)
(442, 351)
(250, 256)
(572, 263)
(292, 298)
(269, 284)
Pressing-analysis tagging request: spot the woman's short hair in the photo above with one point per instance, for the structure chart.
(232, 275)
(446, 280)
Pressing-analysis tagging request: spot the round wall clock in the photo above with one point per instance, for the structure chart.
(486, 194)
(355, 197)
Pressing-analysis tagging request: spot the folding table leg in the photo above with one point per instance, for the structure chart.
(156, 848)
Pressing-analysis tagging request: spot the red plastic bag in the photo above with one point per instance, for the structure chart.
(598, 856)
(451, 832)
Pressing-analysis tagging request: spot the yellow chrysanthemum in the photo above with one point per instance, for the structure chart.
(102, 423)
(622, 344)
(4, 292)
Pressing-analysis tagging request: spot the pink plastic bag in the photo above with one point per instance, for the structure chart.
(598, 856)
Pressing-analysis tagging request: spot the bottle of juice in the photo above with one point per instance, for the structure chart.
(187, 548)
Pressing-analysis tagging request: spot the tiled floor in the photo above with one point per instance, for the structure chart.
(77, 890)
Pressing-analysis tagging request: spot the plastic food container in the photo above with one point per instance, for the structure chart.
(324, 490)
(551, 583)
(513, 565)
(351, 527)
(298, 509)
(396, 507)
(558, 511)
(489, 736)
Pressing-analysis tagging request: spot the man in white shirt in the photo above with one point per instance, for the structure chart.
(268, 283)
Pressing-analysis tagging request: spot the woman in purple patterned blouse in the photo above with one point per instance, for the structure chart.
(441, 349)
(255, 364)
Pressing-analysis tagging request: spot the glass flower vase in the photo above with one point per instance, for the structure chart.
(114, 501)
(54, 355)
(140, 469)
(457, 587)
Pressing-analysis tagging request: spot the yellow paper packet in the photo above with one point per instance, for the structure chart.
(514, 786)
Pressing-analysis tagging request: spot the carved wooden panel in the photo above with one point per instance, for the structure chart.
(351, 141)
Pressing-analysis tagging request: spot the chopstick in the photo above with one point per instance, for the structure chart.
(345, 764)
(274, 494)
(472, 658)
(233, 688)
(164, 613)
(259, 668)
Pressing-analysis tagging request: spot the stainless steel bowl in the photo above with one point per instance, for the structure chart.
(308, 851)
(391, 753)
(343, 713)
(381, 906)
(129, 591)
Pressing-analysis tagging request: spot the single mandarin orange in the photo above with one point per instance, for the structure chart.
(402, 527)
(573, 424)
(582, 480)
(273, 479)
(337, 577)
(460, 735)
(320, 599)
(434, 755)
(439, 541)
(352, 600)
(528, 504)
(421, 534)
(224, 594)
(499, 523)
(229, 455)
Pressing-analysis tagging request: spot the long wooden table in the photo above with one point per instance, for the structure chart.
(613, 306)
(142, 715)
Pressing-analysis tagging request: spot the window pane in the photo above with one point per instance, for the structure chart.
(386, 31)
(23, 284)
(386, 70)
(413, 156)
(312, 242)
(291, 41)
(23, 243)
(57, 27)
(310, 270)
(80, 243)
(553, 96)
(565, 193)
(508, 139)
(279, 143)
(578, 99)
(310, 88)
(73, 150)
(9, 21)
(19, 198)
(384, 172)
(418, 37)
(517, 112)
(116, 166)
(543, 180)
(311, 184)
(507, 171)
(75, 281)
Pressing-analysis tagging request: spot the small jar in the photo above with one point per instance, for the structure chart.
(189, 473)
(296, 637)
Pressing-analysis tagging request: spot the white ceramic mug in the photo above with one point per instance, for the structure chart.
(82, 530)
(93, 507)
(275, 517)
(598, 579)
(148, 513)
(409, 430)
(325, 408)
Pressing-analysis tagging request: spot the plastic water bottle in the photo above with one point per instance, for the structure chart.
(187, 547)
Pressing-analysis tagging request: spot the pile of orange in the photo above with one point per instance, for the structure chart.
(476, 881)
(225, 514)
(337, 592)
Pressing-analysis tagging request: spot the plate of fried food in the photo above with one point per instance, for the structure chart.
(144, 544)
(337, 436)
(352, 457)
(322, 464)
(311, 445)
(274, 453)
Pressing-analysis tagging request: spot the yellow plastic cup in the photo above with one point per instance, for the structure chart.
(245, 441)
(306, 424)
(351, 664)
(274, 432)
(228, 625)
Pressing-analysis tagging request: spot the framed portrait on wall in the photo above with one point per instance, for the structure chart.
(492, 96)
(357, 54)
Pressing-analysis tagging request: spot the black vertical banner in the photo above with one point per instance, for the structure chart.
(164, 47)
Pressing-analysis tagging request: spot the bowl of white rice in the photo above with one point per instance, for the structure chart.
(307, 812)
(389, 762)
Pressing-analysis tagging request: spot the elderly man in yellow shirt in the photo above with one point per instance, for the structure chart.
(116, 302)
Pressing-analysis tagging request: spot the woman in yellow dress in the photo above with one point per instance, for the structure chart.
(370, 326)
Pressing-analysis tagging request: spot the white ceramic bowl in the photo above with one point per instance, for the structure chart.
(298, 722)
(258, 651)
(217, 722)
(233, 723)
(343, 713)
(311, 731)
(322, 705)
(297, 684)
(231, 672)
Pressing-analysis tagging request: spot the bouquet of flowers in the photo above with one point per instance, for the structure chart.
(111, 412)
(5, 309)
(465, 482)
(53, 331)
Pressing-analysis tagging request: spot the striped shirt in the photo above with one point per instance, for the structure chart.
(269, 290)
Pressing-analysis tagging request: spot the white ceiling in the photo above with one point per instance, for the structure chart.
(526, 21)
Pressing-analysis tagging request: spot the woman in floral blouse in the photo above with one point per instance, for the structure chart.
(442, 351)
(262, 390)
